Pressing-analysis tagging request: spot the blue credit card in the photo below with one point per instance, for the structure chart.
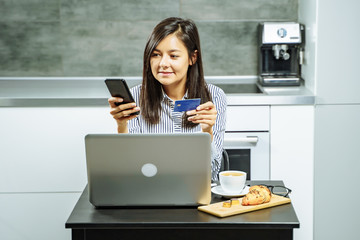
(186, 105)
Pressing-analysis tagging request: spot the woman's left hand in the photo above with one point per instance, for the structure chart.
(205, 114)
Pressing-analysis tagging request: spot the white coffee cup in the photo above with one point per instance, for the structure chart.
(232, 181)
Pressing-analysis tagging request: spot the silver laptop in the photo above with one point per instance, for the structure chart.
(149, 169)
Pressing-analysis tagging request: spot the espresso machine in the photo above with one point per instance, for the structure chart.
(281, 51)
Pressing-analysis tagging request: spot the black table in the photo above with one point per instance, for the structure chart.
(90, 223)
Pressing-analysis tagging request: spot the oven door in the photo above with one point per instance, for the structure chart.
(249, 152)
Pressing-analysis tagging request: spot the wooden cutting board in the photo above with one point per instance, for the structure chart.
(218, 210)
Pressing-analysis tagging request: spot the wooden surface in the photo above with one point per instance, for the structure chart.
(218, 210)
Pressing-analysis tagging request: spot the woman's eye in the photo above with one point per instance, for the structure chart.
(174, 56)
(155, 54)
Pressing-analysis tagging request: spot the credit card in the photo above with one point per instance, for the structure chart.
(186, 105)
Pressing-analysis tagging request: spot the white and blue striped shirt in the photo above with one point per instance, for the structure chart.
(171, 122)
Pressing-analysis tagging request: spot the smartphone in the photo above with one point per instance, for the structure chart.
(119, 88)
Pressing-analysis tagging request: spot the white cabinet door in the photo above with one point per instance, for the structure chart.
(35, 216)
(338, 52)
(292, 160)
(42, 149)
(248, 118)
(337, 166)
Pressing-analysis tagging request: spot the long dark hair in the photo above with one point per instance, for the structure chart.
(151, 90)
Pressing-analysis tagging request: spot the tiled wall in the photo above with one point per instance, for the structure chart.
(107, 38)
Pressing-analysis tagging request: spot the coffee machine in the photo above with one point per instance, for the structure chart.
(281, 53)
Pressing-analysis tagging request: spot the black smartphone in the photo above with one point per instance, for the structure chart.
(119, 88)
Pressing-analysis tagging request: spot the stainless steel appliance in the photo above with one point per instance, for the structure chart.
(281, 53)
(249, 152)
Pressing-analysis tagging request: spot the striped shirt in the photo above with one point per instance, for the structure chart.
(171, 122)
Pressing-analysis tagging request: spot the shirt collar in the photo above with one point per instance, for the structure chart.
(166, 97)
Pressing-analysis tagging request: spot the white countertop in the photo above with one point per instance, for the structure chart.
(91, 91)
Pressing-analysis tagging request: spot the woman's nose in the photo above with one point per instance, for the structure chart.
(164, 62)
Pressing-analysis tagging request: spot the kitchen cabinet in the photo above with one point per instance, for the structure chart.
(292, 160)
(43, 169)
(337, 168)
(337, 117)
(248, 118)
(23, 215)
(337, 80)
(42, 149)
(43, 159)
(246, 140)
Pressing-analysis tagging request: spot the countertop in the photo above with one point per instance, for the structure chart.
(91, 91)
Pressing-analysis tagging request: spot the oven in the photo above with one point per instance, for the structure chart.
(249, 152)
(247, 140)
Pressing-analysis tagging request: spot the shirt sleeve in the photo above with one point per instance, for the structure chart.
(219, 99)
(134, 124)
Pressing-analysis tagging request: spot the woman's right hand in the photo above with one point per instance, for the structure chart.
(121, 113)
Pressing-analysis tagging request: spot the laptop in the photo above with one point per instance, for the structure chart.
(148, 169)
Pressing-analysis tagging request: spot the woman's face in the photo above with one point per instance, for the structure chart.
(170, 62)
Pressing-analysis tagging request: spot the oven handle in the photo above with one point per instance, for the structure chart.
(249, 139)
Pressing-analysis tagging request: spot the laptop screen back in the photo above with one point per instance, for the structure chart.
(149, 169)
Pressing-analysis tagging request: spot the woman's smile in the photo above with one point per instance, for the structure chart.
(165, 74)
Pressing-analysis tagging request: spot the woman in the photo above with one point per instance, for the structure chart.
(172, 70)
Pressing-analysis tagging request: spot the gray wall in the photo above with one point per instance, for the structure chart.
(107, 38)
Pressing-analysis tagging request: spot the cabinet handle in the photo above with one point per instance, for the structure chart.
(249, 139)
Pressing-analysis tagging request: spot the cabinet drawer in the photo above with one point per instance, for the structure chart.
(248, 118)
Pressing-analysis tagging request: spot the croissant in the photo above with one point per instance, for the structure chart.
(263, 189)
(257, 195)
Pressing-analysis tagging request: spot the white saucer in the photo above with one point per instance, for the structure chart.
(219, 191)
